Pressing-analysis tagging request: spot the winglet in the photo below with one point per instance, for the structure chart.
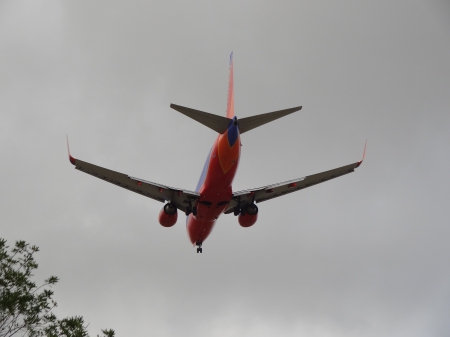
(72, 159)
(364, 154)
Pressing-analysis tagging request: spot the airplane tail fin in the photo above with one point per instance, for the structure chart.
(230, 102)
(249, 123)
(220, 124)
(214, 122)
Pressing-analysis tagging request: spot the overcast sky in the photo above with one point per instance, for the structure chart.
(366, 254)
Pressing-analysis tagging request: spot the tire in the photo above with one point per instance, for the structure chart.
(188, 211)
(237, 211)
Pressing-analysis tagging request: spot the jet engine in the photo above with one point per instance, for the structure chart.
(248, 216)
(168, 215)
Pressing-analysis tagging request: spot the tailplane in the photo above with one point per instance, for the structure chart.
(220, 124)
(249, 123)
(214, 122)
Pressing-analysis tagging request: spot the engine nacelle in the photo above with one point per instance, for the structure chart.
(248, 215)
(168, 215)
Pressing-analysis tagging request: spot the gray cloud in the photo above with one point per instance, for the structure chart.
(363, 255)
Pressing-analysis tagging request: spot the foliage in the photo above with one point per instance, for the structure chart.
(26, 308)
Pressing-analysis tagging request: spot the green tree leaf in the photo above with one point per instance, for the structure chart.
(26, 308)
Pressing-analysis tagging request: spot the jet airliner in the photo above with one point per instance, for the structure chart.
(214, 194)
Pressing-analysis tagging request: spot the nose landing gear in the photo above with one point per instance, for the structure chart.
(199, 247)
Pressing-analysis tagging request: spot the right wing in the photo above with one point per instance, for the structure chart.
(180, 197)
(256, 195)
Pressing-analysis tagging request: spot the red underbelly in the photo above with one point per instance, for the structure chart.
(198, 230)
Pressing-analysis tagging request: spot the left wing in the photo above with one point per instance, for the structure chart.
(268, 192)
(180, 197)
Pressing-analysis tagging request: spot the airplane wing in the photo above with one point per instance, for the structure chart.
(268, 192)
(180, 197)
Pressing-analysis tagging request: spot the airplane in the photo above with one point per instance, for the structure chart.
(214, 194)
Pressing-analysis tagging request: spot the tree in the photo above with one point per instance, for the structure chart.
(26, 308)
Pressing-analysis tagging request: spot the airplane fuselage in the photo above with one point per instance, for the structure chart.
(215, 183)
(214, 195)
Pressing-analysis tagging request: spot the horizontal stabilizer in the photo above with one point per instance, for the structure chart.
(217, 123)
(249, 123)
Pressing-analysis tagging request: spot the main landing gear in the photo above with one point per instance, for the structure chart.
(236, 211)
(199, 247)
(190, 210)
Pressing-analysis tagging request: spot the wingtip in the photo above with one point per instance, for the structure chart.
(71, 159)
(364, 154)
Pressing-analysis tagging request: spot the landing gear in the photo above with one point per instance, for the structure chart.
(237, 211)
(190, 210)
(199, 247)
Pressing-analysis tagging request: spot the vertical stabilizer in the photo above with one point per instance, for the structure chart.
(230, 104)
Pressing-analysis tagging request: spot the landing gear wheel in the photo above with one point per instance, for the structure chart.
(188, 211)
(194, 210)
(237, 211)
(199, 247)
